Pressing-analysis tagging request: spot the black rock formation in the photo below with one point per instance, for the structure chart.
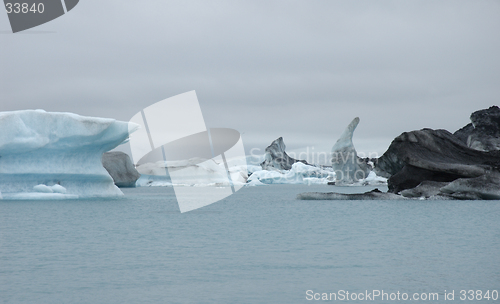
(463, 133)
(121, 168)
(276, 157)
(432, 155)
(483, 133)
(485, 187)
(425, 189)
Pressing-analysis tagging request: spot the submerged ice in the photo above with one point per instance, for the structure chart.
(45, 154)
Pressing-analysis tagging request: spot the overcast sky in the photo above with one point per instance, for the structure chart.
(298, 69)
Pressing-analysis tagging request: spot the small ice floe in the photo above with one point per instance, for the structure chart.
(299, 174)
(58, 189)
(41, 192)
(43, 189)
(50, 189)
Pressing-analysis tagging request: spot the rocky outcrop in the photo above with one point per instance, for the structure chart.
(483, 133)
(375, 194)
(121, 168)
(435, 163)
(346, 164)
(276, 157)
(463, 133)
(484, 187)
(432, 155)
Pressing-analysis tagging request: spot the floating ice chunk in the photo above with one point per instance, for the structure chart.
(255, 182)
(38, 196)
(153, 181)
(298, 174)
(43, 189)
(58, 189)
(371, 180)
(274, 177)
(374, 179)
(253, 168)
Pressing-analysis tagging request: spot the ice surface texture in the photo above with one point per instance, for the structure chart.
(43, 148)
(298, 174)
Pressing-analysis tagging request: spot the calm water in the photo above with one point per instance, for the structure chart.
(257, 246)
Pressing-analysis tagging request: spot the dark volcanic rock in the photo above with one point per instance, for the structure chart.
(425, 189)
(434, 155)
(484, 131)
(463, 133)
(121, 168)
(411, 176)
(276, 157)
(486, 187)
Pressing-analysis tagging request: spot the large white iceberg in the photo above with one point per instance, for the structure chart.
(57, 155)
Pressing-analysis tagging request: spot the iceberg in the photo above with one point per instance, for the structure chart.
(348, 167)
(45, 155)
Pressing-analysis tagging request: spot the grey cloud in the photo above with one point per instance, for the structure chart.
(298, 69)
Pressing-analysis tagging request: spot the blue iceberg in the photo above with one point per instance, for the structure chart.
(47, 155)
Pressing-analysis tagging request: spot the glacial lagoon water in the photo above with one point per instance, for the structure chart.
(260, 245)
